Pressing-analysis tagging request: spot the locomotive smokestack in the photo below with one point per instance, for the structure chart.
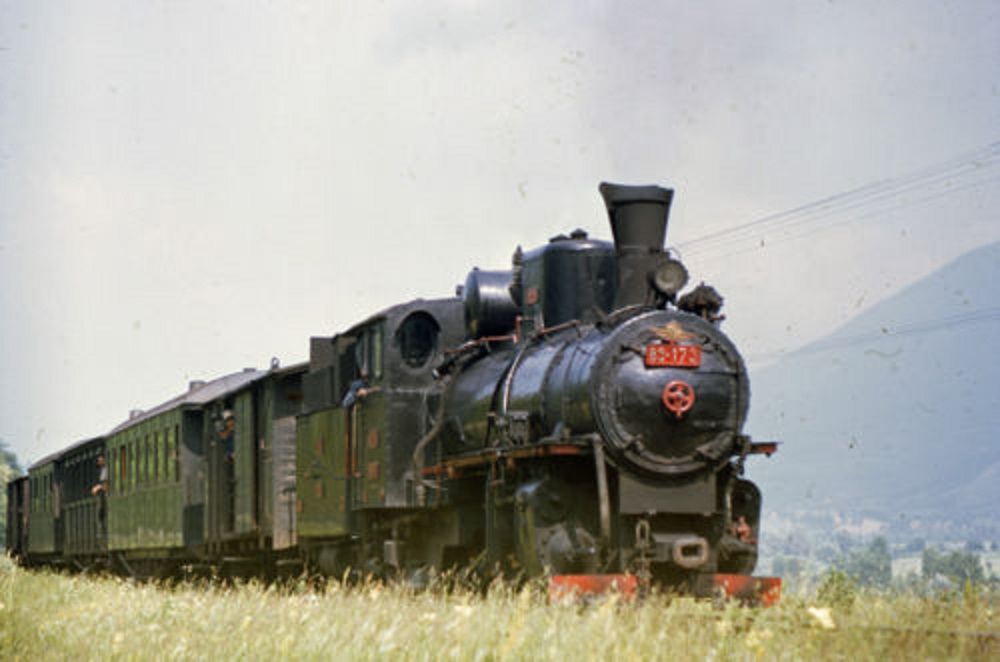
(639, 224)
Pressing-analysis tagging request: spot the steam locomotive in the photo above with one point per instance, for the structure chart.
(572, 416)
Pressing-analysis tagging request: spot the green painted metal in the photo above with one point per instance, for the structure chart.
(84, 531)
(322, 465)
(371, 470)
(265, 450)
(44, 509)
(145, 500)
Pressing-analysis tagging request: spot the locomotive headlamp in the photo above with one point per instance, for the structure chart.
(669, 277)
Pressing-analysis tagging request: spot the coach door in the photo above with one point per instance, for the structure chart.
(193, 470)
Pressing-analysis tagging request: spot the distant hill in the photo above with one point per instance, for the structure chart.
(898, 412)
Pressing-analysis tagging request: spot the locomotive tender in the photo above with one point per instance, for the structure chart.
(570, 416)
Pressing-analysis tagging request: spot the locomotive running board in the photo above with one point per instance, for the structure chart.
(749, 590)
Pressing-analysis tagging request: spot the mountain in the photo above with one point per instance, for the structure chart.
(897, 413)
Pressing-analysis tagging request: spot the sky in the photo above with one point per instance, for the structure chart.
(191, 188)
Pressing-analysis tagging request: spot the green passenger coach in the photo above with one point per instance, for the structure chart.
(206, 479)
(201, 476)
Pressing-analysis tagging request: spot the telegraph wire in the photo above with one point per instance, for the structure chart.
(806, 230)
(883, 188)
(981, 316)
(882, 197)
(938, 175)
(816, 215)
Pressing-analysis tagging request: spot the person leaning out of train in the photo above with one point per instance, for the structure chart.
(228, 434)
(358, 390)
(101, 487)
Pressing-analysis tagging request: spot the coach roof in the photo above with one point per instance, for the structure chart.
(200, 393)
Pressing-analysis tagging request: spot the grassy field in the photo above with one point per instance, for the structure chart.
(50, 616)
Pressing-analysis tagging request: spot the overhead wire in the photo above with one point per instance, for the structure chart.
(810, 230)
(902, 330)
(971, 162)
(828, 211)
(880, 198)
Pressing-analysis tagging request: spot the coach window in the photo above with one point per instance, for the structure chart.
(161, 456)
(122, 469)
(133, 470)
(361, 364)
(147, 475)
(158, 456)
(177, 452)
(368, 352)
(154, 458)
(175, 441)
(168, 454)
(376, 351)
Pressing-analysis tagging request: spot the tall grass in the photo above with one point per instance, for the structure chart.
(44, 615)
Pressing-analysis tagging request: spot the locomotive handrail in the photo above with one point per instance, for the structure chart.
(486, 456)
(480, 342)
(418, 450)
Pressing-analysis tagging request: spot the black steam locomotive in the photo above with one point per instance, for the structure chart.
(572, 416)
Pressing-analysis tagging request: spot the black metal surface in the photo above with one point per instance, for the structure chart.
(570, 278)
(694, 496)
(593, 380)
(473, 434)
(632, 417)
(489, 308)
(638, 217)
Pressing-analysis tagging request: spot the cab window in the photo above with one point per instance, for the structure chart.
(417, 338)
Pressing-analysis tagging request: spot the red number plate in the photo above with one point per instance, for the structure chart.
(673, 355)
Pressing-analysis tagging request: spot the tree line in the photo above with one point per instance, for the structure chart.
(9, 469)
